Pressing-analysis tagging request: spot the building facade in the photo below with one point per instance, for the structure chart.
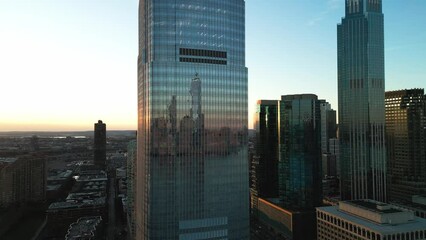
(368, 220)
(328, 125)
(300, 151)
(405, 141)
(192, 168)
(131, 163)
(22, 180)
(361, 94)
(286, 223)
(267, 126)
(100, 144)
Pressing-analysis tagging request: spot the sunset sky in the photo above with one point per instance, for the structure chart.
(64, 64)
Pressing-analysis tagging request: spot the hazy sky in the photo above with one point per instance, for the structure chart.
(64, 64)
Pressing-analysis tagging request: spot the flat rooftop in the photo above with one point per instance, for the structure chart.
(95, 202)
(7, 160)
(377, 216)
(59, 175)
(84, 228)
(374, 206)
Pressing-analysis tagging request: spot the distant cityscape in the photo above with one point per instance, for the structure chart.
(193, 170)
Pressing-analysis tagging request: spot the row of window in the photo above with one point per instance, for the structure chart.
(352, 228)
(202, 53)
(203, 60)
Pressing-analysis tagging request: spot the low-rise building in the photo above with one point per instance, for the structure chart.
(295, 224)
(368, 220)
(86, 228)
(59, 182)
(87, 198)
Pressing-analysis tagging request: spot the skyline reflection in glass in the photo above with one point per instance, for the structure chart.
(192, 169)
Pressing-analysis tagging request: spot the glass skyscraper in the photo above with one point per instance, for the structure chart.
(300, 152)
(361, 94)
(266, 123)
(192, 168)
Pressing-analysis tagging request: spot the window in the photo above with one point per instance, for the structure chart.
(202, 53)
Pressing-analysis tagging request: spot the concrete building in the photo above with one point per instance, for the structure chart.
(328, 125)
(368, 220)
(417, 205)
(295, 224)
(22, 179)
(58, 182)
(406, 143)
(86, 228)
(131, 162)
(335, 150)
(87, 198)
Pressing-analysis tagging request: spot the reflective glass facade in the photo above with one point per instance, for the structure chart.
(361, 90)
(300, 152)
(192, 168)
(267, 126)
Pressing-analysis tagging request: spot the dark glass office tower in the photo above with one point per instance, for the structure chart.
(300, 152)
(405, 141)
(192, 168)
(100, 144)
(267, 126)
(361, 94)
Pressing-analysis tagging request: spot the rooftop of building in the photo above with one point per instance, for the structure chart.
(92, 175)
(7, 160)
(402, 92)
(419, 199)
(90, 186)
(81, 196)
(299, 96)
(276, 203)
(418, 203)
(374, 206)
(94, 202)
(55, 175)
(267, 102)
(362, 212)
(53, 187)
(4, 162)
(84, 228)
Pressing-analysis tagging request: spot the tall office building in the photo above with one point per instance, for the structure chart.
(405, 141)
(328, 125)
(267, 126)
(328, 131)
(300, 151)
(361, 94)
(192, 148)
(100, 144)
